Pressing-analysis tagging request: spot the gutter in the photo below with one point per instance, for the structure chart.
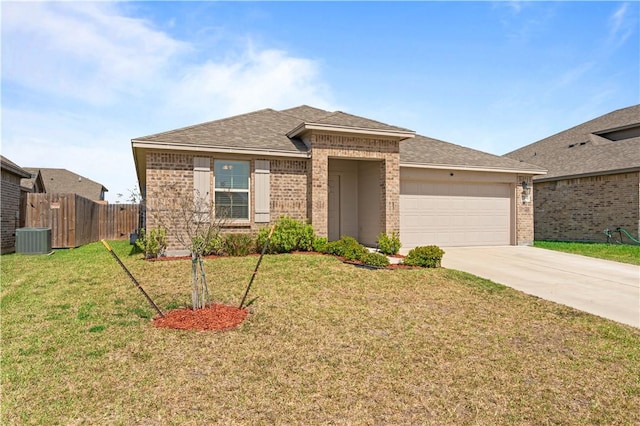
(588, 174)
(473, 168)
(225, 149)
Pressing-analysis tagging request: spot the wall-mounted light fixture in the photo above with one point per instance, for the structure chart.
(526, 192)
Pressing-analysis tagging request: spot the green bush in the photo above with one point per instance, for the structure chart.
(346, 247)
(389, 244)
(425, 256)
(238, 244)
(289, 235)
(320, 244)
(152, 243)
(375, 259)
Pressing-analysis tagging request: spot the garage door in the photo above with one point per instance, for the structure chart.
(454, 214)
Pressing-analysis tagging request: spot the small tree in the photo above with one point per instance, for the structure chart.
(194, 223)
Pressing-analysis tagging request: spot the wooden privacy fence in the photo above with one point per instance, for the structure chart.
(75, 221)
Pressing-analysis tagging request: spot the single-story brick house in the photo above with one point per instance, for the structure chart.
(346, 175)
(10, 211)
(593, 179)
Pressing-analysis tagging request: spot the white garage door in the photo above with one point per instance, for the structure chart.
(454, 214)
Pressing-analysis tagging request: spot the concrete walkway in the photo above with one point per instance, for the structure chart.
(601, 287)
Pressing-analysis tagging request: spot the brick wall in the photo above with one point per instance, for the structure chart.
(288, 181)
(325, 146)
(524, 213)
(8, 210)
(289, 187)
(581, 209)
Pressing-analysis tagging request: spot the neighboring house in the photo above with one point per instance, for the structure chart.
(35, 183)
(63, 181)
(346, 175)
(10, 214)
(593, 179)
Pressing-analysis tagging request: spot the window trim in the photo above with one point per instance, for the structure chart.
(234, 221)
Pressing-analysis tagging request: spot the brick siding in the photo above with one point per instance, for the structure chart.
(581, 209)
(10, 208)
(524, 213)
(288, 181)
(289, 188)
(325, 146)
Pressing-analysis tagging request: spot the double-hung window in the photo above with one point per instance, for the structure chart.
(232, 189)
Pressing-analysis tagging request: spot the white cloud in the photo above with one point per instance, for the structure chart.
(254, 80)
(621, 25)
(81, 79)
(84, 51)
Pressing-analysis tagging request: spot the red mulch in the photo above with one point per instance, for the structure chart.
(214, 317)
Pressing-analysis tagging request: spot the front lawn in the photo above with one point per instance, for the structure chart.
(325, 343)
(616, 252)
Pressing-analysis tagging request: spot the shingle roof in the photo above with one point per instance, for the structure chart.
(428, 151)
(260, 130)
(266, 130)
(63, 181)
(605, 144)
(12, 167)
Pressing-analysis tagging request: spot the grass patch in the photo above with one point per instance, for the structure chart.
(616, 252)
(325, 343)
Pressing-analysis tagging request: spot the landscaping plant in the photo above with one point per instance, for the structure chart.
(194, 223)
(152, 243)
(425, 256)
(289, 235)
(389, 244)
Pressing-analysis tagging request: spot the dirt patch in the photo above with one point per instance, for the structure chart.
(215, 317)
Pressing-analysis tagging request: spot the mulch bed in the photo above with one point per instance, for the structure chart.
(213, 318)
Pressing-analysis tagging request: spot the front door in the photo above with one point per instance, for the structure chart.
(333, 215)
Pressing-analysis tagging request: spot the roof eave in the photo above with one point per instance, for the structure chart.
(589, 174)
(306, 127)
(137, 143)
(473, 168)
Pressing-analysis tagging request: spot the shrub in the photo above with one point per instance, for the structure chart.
(239, 244)
(375, 259)
(425, 256)
(289, 235)
(320, 244)
(346, 247)
(389, 244)
(152, 243)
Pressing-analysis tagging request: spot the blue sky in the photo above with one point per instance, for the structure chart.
(80, 80)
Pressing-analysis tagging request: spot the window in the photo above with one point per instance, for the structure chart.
(232, 189)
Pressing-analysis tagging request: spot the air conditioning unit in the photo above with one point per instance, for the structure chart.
(33, 240)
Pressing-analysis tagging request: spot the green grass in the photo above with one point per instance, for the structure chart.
(325, 343)
(615, 252)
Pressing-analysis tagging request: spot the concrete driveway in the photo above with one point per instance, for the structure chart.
(601, 287)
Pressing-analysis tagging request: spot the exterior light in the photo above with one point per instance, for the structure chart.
(526, 192)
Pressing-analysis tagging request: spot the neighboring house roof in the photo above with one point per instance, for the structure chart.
(63, 181)
(13, 168)
(607, 144)
(34, 183)
(269, 131)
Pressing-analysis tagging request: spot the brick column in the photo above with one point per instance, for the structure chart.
(524, 213)
(319, 192)
(390, 193)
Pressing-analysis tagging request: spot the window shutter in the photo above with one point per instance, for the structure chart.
(262, 191)
(202, 180)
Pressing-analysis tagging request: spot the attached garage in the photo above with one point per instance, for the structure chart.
(461, 211)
